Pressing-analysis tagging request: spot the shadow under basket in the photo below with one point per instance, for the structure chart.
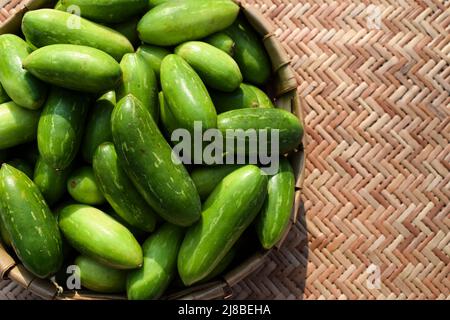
(283, 89)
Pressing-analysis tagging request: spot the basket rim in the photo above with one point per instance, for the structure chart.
(286, 96)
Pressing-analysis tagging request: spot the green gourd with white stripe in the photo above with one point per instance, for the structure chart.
(30, 224)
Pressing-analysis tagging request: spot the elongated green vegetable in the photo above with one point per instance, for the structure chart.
(154, 3)
(175, 22)
(84, 187)
(160, 262)
(129, 30)
(246, 96)
(119, 191)
(218, 270)
(59, 6)
(221, 41)
(29, 223)
(216, 68)
(47, 26)
(186, 95)
(51, 182)
(17, 125)
(207, 178)
(98, 277)
(147, 159)
(250, 53)
(61, 127)
(139, 80)
(276, 121)
(98, 128)
(223, 265)
(274, 218)
(20, 85)
(153, 55)
(74, 67)
(137, 233)
(167, 119)
(97, 235)
(241, 98)
(107, 11)
(263, 100)
(227, 212)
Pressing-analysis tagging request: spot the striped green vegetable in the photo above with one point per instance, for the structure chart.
(274, 217)
(227, 212)
(263, 100)
(119, 191)
(153, 55)
(241, 98)
(223, 265)
(84, 187)
(250, 53)
(186, 95)
(216, 68)
(30, 223)
(98, 277)
(60, 65)
(137, 233)
(168, 121)
(98, 128)
(61, 125)
(286, 124)
(17, 125)
(59, 6)
(208, 177)
(108, 11)
(47, 26)
(154, 3)
(50, 181)
(20, 85)
(139, 80)
(175, 22)
(129, 30)
(147, 159)
(221, 41)
(97, 235)
(160, 263)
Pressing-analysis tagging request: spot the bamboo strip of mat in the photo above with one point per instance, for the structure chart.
(374, 77)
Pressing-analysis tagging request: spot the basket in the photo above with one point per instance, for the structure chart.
(283, 89)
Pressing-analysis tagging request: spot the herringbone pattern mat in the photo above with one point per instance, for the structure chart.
(374, 77)
(375, 80)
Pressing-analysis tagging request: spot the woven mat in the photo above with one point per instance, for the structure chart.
(375, 81)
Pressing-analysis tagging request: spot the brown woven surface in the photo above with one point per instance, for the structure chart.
(375, 82)
(377, 180)
(9, 8)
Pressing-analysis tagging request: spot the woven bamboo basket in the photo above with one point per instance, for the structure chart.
(282, 88)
